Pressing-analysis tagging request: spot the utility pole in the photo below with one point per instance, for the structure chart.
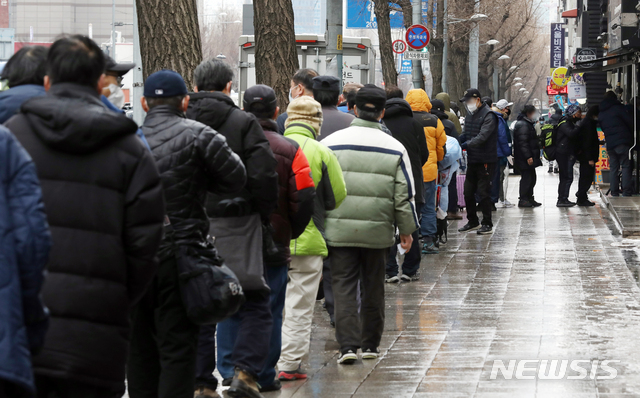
(416, 65)
(445, 48)
(138, 80)
(113, 29)
(474, 48)
(334, 35)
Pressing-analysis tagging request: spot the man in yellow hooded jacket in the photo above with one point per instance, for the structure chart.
(436, 141)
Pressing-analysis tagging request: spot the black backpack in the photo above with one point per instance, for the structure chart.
(549, 139)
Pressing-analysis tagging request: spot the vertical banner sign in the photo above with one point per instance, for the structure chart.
(557, 45)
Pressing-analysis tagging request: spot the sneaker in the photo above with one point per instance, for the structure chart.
(275, 386)
(525, 203)
(506, 203)
(429, 248)
(500, 204)
(392, 279)
(414, 277)
(297, 374)
(550, 169)
(347, 358)
(469, 227)
(405, 278)
(243, 386)
(204, 392)
(565, 203)
(585, 203)
(485, 230)
(454, 216)
(370, 353)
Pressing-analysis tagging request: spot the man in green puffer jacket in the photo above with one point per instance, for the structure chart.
(302, 125)
(381, 194)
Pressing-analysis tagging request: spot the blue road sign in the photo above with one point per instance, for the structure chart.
(360, 15)
(405, 68)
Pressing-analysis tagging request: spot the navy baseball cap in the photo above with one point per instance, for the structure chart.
(326, 83)
(371, 98)
(470, 93)
(165, 84)
(262, 96)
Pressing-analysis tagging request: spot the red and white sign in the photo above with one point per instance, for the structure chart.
(399, 46)
(417, 37)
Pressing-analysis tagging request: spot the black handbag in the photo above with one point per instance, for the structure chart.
(210, 291)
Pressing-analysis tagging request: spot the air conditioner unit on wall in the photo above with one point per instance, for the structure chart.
(623, 25)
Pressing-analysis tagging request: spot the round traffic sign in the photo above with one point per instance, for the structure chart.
(560, 77)
(417, 37)
(399, 46)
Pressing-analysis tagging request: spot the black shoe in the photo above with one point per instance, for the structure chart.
(565, 203)
(348, 357)
(525, 203)
(243, 386)
(227, 382)
(493, 207)
(275, 386)
(469, 227)
(556, 170)
(534, 203)
(585, 203)
(485, 230)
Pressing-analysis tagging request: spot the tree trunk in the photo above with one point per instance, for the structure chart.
(276, 53)
(436, 48)
(169, 40)
(389, 72)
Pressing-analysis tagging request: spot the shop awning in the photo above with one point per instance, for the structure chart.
(570, 13)
(624, 59)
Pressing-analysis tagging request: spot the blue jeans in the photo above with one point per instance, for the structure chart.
(229, 330)
(428, 224)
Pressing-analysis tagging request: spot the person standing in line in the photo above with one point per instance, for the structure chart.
(25, 242)
(566, 152)
(588, 154)
(527, 154)
(451, 110)
(106, 227)
(309, 249)
(480, 140)
(326, 90)
(504, 152)
(436, 141)
(24, 73)
(617, 124)
(380, 195)
(348, 92)
(301, 85)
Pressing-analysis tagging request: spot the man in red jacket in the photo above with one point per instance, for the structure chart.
(288, 221)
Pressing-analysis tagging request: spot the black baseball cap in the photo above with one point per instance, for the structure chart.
(326, 83)
(371, 98)
(470, 93)
(164, 84)
(261, 95)
(437, 105)
(119, 69)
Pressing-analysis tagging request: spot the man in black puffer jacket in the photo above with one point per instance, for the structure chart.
(235, 222)
(617, 125)
(191, 158)
(103, 198)
(480, 140)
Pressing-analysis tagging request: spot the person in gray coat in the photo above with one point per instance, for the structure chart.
(326, 90)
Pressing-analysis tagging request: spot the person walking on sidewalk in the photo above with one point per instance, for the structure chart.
(566, 152)
(192, 158)
(380, 195)
(436, 141)
(398, 117)
(617, 124)
(588, 154)
(103, 198)
(289, 220)
(309, 249)
(480, 140)
(527, 154)
(237, 221)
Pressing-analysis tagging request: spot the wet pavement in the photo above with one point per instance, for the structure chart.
(547, 285)
(626, 211)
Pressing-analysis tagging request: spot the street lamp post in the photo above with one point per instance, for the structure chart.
(496, 76)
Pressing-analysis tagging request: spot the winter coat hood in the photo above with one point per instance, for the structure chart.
(444, 97)
(12, 99)
(397, 107)
(72, 119)
(419, 100)
(211, 108)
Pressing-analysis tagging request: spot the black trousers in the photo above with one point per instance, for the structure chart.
(587, 174)
(565, 166)
(478, 182)
(164, 342)
(348, 266)
(453, 194)
(327, 286)
(528, 178)
(206, 359)
(49, 387)
(412, 258)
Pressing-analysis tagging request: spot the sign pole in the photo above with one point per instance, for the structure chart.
(416, 65)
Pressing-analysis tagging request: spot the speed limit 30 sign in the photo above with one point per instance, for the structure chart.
(399, 46)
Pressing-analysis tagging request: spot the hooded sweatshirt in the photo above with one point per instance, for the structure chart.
(433, 130)
(444, 97)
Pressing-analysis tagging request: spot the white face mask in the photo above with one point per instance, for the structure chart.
(117, 96)
(291, 98)
(471, 106)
